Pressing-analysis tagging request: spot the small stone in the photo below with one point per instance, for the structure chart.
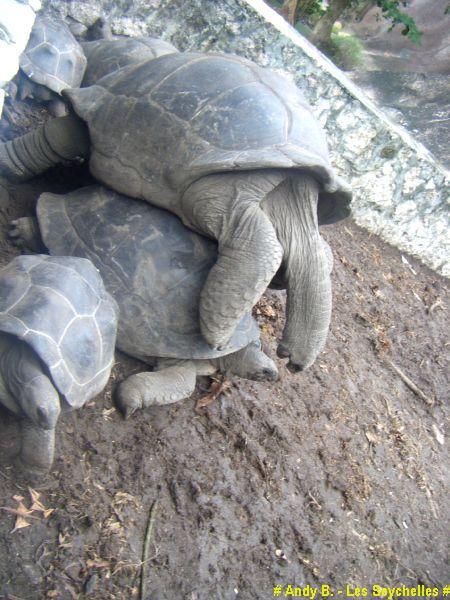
(90, 584)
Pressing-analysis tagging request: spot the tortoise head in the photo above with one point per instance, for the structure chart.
(39, 400)
(250, 363)
(27, 383)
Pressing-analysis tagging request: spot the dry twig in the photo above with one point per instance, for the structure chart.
(219, 385)
(412, 386)
(148, 535)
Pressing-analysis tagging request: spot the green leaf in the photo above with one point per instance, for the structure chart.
(391, 11)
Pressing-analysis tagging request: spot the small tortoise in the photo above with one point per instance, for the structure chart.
(155, 269)
(57, 334)
(52, 61)
(234, 150)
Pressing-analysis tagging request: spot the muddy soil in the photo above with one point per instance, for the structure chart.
(333, 476)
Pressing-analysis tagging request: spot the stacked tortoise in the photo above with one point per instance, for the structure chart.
(232, 149)
(155, 269)
(57, 334)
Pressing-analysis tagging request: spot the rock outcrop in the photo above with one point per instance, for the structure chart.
(16, 21)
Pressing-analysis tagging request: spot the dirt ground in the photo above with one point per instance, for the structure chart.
(334, 476)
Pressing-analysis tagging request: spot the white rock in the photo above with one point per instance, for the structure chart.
(16, 21)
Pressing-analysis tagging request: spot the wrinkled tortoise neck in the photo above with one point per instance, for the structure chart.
(56, 141)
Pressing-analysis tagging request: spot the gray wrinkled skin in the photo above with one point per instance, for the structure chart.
(274, 227)
(155, 268)
(57, 335)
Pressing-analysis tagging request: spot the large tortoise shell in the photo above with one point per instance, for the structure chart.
(157, 126)
(154, 267)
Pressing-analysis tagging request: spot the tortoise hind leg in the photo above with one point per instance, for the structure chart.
(25, 234)
(158, 387)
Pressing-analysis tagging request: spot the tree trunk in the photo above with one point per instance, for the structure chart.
(363, 10)
(322, 31)
(289, 10)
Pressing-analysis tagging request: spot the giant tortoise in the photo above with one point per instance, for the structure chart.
(155, 269)
(57, 334)
(234, 150)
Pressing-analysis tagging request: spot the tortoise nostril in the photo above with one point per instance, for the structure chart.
(282, 352)
(293, 368)
(42, 415)
(270, 374)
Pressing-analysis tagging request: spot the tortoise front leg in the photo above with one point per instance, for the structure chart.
(25, 234)
(54, 142)
(38, 448)
(158, 387)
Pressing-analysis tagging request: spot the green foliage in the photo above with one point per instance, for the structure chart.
(391, 11)
(347, 51)
(310, 12)
(312, 8)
